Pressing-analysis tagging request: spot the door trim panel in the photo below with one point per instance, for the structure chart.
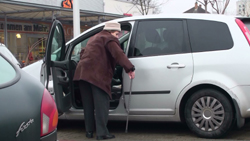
(148, 92)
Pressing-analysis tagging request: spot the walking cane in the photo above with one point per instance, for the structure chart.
(126, 131)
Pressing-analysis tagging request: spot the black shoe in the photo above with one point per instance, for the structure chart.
(89, 134)
(104, 137)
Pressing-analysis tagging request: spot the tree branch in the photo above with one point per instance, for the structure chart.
(145, 5)
(142, 8)
(139, 9)
(217, 6)
(148, 6)
(225, 7)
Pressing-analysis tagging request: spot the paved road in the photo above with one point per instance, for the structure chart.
(144, 131)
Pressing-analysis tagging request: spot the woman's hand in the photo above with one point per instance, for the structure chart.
(131, 74)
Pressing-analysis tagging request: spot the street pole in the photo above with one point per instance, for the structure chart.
(5, 31)
(99, 20)
(76, 18)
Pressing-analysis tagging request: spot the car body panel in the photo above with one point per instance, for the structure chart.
(231, 69)
(35, 66)
(168, 81)
(50, 137)
(20, 108)
(242, 96)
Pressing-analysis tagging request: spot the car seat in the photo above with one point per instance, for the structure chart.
(174, 42)
(153, 37)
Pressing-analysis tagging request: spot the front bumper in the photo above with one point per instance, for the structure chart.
(50, 137)
(241, 94)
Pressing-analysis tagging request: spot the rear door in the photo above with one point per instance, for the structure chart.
(55, 68)
(161, 54)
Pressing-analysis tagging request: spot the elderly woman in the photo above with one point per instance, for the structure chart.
(94, 73)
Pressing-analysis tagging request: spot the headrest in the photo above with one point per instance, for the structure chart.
(166, 35)
(152, 36)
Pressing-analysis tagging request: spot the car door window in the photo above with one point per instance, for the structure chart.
(159, 38)
(124, 41)
(7, 72)
(56, 44)
(209, 35)
(77, 49)
(124, 45)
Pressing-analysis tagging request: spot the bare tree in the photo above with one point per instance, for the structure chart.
(145, 5)
(156, 10)
(219, 6)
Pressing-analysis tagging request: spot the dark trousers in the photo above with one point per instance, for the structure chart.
(94, 98)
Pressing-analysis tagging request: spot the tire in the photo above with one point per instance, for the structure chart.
(212, 121)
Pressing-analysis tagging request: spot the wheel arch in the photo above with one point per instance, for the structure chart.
(197, 88)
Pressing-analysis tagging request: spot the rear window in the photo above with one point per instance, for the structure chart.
(8, 55)
(247, 25)
(7, 72)
(246, 21)
(209, 35)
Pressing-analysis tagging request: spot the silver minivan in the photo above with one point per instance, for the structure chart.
(190, 67)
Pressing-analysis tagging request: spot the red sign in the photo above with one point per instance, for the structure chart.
(67, 4)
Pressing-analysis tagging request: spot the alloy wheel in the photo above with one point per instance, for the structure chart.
(208, 113)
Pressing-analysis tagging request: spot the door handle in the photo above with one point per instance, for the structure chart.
(64, 81)
(176, 65)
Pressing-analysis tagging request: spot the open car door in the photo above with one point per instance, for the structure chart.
(56, 68)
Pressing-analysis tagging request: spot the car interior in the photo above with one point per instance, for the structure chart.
(162, 38)
(116, 83)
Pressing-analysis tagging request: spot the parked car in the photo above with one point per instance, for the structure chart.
(190, 68)
(34, 69)
(4, 50)
(28, 111)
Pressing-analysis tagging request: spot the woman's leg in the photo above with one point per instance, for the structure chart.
(88, 105)
(101, 102)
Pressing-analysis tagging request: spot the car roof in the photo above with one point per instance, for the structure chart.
(212, 17)
(179, 16)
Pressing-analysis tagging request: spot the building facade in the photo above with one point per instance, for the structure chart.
(196, 9)
(91, 5)
(243, 8)
(28, 31)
